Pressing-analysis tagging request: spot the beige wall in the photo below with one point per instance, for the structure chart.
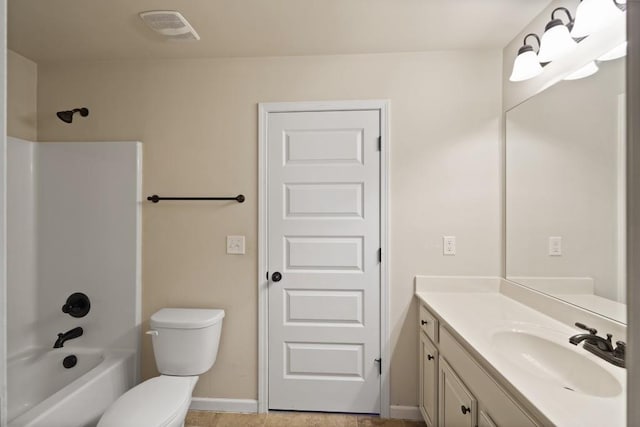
(198, 122)
(22, 84)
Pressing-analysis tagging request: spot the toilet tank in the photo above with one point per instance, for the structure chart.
(185, 340)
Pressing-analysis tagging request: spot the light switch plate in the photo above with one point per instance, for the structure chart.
(555, 246)
(235, 245)
(448, 245)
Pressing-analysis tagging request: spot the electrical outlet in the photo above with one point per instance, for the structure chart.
(235, 245)
(555, 246)
(448, 245)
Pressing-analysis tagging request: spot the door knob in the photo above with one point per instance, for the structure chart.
(423, 322)
(276, 277)
(430, 357)
(465, 409)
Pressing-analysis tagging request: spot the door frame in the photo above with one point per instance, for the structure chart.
(263, 301)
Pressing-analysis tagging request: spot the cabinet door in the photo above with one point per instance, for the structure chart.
(458, 407)
(484, 420)
(428, 380)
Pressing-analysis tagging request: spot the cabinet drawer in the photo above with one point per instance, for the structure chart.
(494, 401)
(428, 323)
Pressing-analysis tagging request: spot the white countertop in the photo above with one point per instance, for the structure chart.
(474, 310)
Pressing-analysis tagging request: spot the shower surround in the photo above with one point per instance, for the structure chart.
(73, 226)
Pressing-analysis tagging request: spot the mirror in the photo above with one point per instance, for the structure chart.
(566, 192)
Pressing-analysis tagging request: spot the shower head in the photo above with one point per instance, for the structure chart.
(67, 116)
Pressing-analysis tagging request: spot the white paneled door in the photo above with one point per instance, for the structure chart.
(323, 259)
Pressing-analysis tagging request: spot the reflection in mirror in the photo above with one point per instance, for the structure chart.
(565, 191)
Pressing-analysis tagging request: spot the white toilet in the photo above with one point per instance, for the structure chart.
(185, 345)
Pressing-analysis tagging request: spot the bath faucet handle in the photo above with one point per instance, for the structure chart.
(592, 331)
(77, 305)
(604, 346)
(620, 349)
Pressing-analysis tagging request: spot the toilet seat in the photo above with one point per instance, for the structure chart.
(157, 402)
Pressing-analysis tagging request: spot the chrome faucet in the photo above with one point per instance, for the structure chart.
(601, 347)
(69, 335)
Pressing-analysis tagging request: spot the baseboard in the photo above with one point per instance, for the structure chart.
(246, 406)
(405, 413)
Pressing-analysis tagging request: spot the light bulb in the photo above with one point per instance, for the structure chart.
(526, 65)
(589, 69)
(593, 15)
(556, 42)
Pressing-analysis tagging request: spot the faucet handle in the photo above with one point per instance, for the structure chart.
(620, 349)
(592, 331)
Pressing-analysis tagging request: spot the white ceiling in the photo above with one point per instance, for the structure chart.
(50, 30)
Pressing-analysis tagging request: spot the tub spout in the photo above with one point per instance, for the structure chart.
(69, 335)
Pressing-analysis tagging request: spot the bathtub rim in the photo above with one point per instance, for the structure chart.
(112, 359)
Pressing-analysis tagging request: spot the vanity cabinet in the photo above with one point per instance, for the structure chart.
(455, 390)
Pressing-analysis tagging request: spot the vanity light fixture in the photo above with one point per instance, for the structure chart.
(556, 40)
(526, 65)
(593, 15)
(615, 53)
(586, 71)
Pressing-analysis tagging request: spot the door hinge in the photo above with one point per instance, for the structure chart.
(379, 362)
(380, 255)
(379, 143)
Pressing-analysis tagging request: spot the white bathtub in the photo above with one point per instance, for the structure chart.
(43, 393)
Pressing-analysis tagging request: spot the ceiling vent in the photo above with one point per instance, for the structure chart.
(170, 24)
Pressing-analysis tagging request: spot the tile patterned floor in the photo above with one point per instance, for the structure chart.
(290, 419)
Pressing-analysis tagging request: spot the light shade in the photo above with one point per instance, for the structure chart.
(586, 71)
(526, 65)
(593, 15)
(615, 53)
(556, 42)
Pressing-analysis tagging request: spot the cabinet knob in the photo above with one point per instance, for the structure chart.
(465, 409)
(423, 322)
(429, 357)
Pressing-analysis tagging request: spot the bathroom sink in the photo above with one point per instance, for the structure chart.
(555, 364)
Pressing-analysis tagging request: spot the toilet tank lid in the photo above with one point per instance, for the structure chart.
(185, 318)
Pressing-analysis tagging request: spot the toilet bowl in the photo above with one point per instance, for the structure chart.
(185, 345)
